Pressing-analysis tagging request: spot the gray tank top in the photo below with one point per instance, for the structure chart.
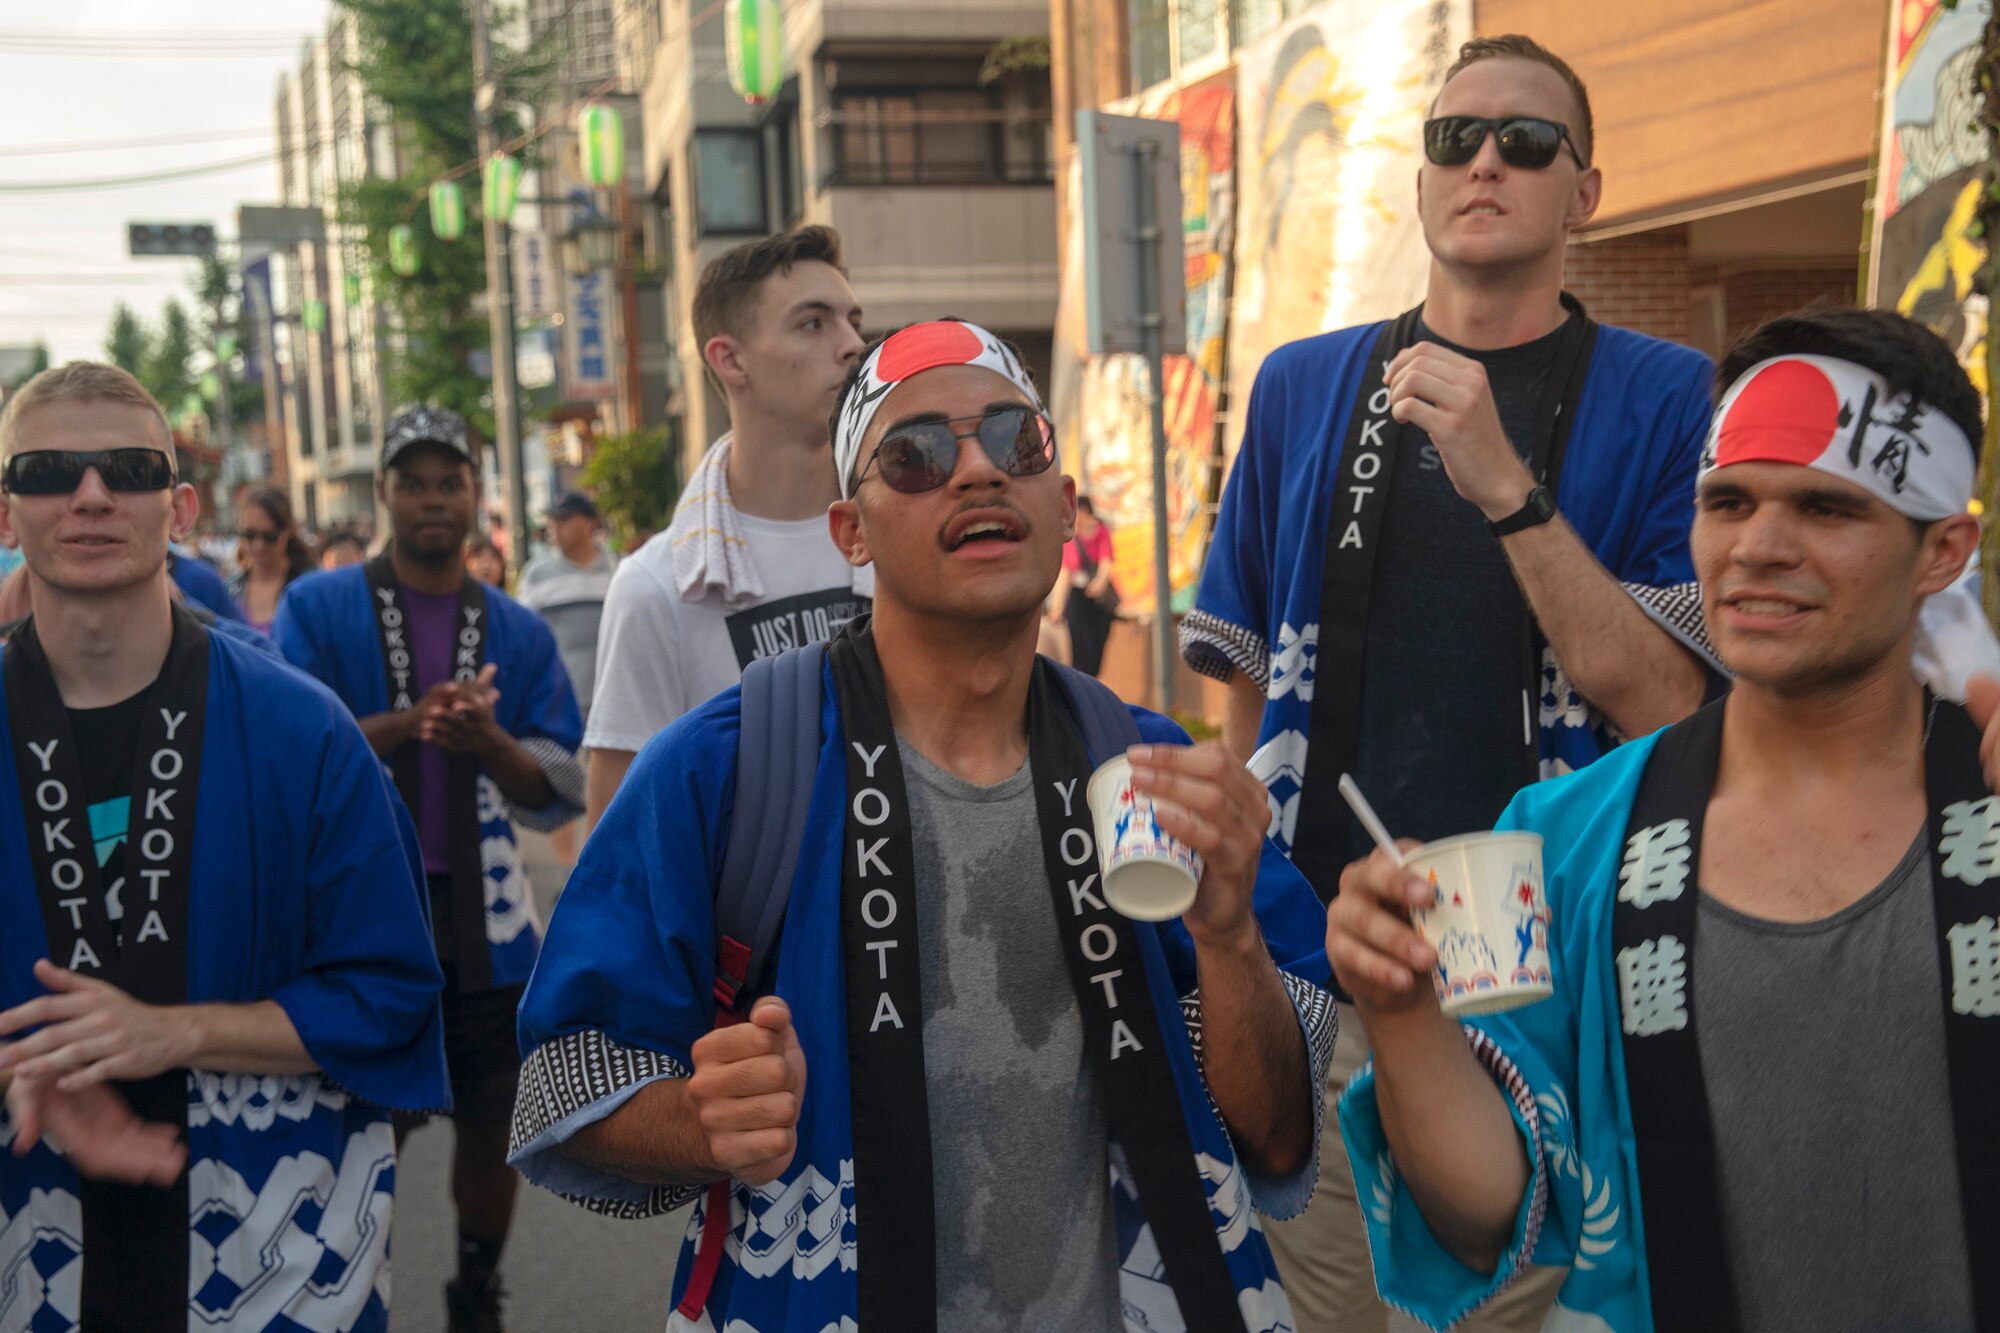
(1822, 1045)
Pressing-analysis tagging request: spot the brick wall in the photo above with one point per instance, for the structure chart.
(1638, 282)
(1648, 282)
(1752, 295)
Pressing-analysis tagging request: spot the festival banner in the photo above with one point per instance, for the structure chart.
(1331, 108)
(1929, 164)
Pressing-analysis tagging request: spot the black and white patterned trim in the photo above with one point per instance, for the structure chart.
(1215, 647)
(1319, 1017)
(564, 1076)
(565, 777)
(1676, 608)
(1503, 1072)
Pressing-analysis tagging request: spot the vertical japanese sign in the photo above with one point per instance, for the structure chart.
(587, 338)
(534, 285)
(1927, 175)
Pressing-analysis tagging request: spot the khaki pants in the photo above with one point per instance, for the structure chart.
(1323, 1253)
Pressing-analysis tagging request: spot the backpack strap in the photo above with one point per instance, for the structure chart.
(777, 755)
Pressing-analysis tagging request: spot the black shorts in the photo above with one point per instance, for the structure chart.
(481, 1053)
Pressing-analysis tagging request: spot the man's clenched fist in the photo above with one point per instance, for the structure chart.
(748, 1087)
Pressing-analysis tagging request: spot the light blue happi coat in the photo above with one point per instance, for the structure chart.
(623, 991)
(304, 890)
(1561, 1063)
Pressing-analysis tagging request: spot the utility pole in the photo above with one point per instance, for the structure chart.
(499, 303)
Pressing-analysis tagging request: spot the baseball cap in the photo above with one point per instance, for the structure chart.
(572, 503)
(427, 425)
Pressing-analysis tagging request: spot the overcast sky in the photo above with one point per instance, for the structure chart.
(97, 71)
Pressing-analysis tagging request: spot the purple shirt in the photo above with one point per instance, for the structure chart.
(431, 618)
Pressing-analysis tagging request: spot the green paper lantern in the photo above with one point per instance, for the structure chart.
(225, 347)
(502, 187)
(313, 316)
(350, 287)
(447, 210)
(403, 249)
(754, 41)
(600, 135)
(211, 387)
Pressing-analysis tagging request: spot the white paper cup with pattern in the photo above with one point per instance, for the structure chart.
(1148, 875)
(1490, 925)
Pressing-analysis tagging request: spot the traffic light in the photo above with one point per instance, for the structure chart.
(171, 238)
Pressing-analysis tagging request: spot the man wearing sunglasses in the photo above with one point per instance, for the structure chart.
(913, 1130)
(461, 690)
(1452, 557)
(216, 981)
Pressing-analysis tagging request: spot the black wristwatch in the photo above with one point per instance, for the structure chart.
(1539, 508)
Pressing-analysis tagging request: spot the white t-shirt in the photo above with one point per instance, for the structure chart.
(660, 655)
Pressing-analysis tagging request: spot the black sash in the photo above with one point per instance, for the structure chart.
(897, 1242)
(144, 954)
(1354, 527)
(1653, 939)
(468, 949)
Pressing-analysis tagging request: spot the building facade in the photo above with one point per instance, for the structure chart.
(904, 125)
(327, 334)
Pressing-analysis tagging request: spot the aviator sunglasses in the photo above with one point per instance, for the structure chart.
(60, 471)
(922, 456)
(1525, 141)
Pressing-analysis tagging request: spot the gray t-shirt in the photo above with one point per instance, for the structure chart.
(1440, 745)
(1019, 1131)
(1822, 1046)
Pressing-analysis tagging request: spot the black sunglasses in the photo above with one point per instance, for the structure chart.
(922, 456)
(60, 471)
(1525, 141)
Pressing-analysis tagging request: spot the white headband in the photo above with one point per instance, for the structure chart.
(921, 347)
(1840, 418)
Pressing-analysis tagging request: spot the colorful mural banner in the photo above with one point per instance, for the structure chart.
(1101, 402)
(1331, 108)
(1928, 172)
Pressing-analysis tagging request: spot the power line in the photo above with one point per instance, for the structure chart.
(144, 178)
(105, 145)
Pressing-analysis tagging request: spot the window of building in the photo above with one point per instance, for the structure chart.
(784, 173)
(729, 182)
(931, 122)
(1170, 38)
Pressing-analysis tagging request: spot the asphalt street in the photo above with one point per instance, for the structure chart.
(564, 1268)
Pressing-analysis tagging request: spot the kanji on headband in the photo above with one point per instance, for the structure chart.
(921, 347)
(1840, 418)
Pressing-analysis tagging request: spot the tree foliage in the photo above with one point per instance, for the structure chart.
(169, 365)
(416, 62)
(636, 480)
(125, 344)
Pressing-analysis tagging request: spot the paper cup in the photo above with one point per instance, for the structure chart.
(1491, 923)
(1148, 875)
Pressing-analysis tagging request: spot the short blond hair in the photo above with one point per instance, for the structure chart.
(78, 382)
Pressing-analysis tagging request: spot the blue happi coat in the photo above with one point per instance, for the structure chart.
(304, 891)
(1562, 1063)
(326, 625)
(623, 990)
(1627, 488)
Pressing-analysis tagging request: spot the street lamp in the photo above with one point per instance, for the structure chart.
(590, 244)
